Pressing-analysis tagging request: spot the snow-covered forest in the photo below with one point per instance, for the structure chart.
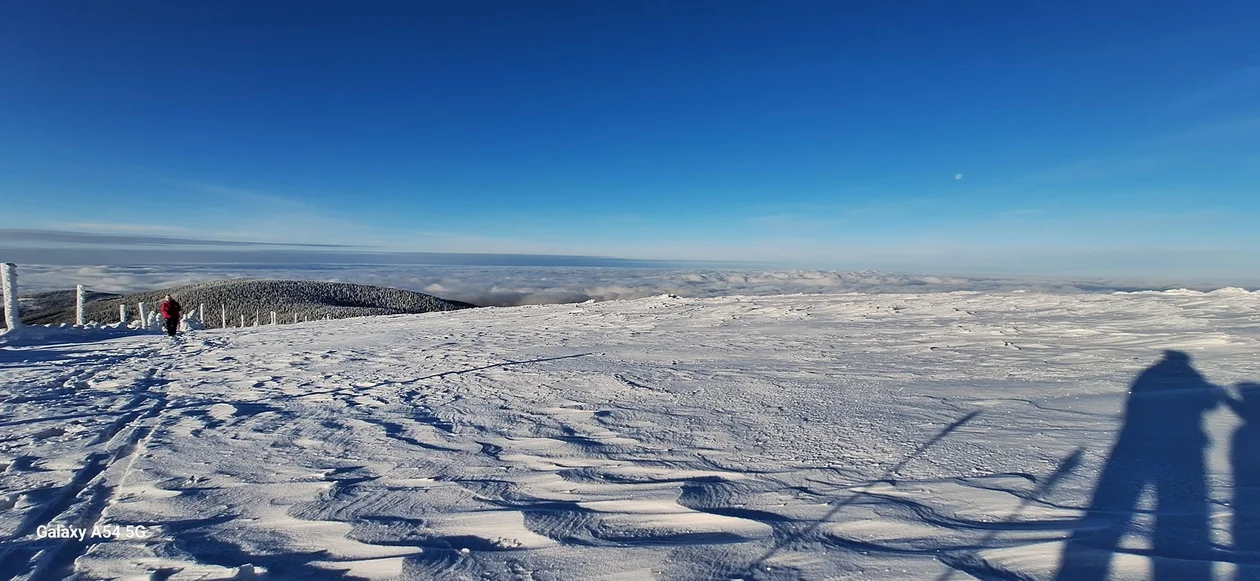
(234, 301)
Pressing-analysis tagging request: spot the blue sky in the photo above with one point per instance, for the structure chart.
(1091, 138)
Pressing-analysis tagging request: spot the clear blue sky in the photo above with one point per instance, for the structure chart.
(1091, 137)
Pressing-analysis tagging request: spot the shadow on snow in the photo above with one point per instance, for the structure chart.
(1162, 446)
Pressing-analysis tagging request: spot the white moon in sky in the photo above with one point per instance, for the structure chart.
(957, 176)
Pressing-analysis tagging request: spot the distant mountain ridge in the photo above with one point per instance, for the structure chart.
(307, 300)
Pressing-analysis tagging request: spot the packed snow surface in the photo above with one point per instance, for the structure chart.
(898, 436)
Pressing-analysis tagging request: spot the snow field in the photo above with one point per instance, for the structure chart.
(954, 435)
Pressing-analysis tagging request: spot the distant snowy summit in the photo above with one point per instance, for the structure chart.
(250, 301)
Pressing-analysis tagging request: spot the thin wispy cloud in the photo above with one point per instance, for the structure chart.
(1210, 115)
(1247, 123)
(19, 238)
(1017, 213)
(794, 223)
(126, 228)
(1240, 83)
(244, 212)
(288, 219)
(250, 257)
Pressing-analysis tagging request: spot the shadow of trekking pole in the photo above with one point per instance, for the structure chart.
(890, 473)
(970, 560)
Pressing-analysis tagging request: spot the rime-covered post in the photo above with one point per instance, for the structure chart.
(273, 317)
(122, 313)
(242, 320)
(201, 314)
(78, 305)
(8, 271)
(144, 315)
(223, 315)
(295, 318)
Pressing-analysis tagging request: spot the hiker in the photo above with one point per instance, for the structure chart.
(170, 310)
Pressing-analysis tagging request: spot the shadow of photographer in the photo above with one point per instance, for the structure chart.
(1162, 446)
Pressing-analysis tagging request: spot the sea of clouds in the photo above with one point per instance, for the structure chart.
(509, 286)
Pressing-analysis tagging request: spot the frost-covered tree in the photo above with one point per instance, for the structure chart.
(12, 315)
(78, 305)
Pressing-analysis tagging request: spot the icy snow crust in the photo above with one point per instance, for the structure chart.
(933, 436)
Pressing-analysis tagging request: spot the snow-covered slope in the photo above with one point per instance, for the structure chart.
(937, 436)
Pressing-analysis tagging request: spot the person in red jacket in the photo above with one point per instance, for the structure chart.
(170, 310)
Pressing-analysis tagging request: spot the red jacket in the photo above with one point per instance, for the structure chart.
(170, 309)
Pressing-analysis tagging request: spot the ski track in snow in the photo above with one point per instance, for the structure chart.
(792, 437)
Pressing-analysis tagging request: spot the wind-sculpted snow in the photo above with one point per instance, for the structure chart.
(934, 436)
(256, 299)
